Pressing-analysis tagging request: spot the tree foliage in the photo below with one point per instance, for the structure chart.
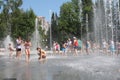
(71, 22)
(23, 24)
(87, 10)
(15, 21)
(69, 19)
(54, 26)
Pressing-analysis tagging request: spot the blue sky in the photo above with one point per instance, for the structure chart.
(43, 7)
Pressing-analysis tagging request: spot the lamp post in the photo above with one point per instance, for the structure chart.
(50, 31)
(118, 14)
(80, 15)
(87, 25)
(111, 23)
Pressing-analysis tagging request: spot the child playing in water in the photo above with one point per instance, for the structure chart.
(10, 49)
(41, 53)
(27, 50)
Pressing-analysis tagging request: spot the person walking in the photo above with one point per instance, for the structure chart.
(75, 45)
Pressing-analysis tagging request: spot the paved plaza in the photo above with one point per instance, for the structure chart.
(57, 67)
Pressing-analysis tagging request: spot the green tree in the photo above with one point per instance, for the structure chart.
(15, 21)
(23, 23)
(69, 20)
(8, 8)
(54, 26)
(2, 26)
(66, 19)
(87, 9)
(4, 18)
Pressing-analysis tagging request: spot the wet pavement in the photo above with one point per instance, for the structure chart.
(57, 67)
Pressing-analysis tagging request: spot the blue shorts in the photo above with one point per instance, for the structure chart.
(112, 49)
(63, 49)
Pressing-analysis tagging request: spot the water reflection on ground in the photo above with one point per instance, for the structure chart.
(83, 67)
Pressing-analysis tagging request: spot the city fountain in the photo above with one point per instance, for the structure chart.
(83, 67)
(7, 41)
(106, 20)
(36, 36)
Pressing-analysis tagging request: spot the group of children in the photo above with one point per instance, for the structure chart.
(27, 44)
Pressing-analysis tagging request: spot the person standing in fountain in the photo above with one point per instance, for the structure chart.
(27, 45)
(18, 47)
(57, 48)
(104, 46)
(10, 48)
(64, 49)
(87, 47)
(112, 47)
(75, 45)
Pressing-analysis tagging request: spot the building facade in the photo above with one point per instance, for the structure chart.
(44, 24)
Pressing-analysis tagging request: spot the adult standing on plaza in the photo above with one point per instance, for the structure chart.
(75, 44)
(87, 47)
(18, 47)
(64, 48)
(112, 47)
(27, 45)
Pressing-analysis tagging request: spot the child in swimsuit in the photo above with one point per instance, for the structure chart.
(41, 53)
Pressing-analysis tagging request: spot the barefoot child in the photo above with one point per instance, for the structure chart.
(41, 53)
(27, 50)
(10, 49)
